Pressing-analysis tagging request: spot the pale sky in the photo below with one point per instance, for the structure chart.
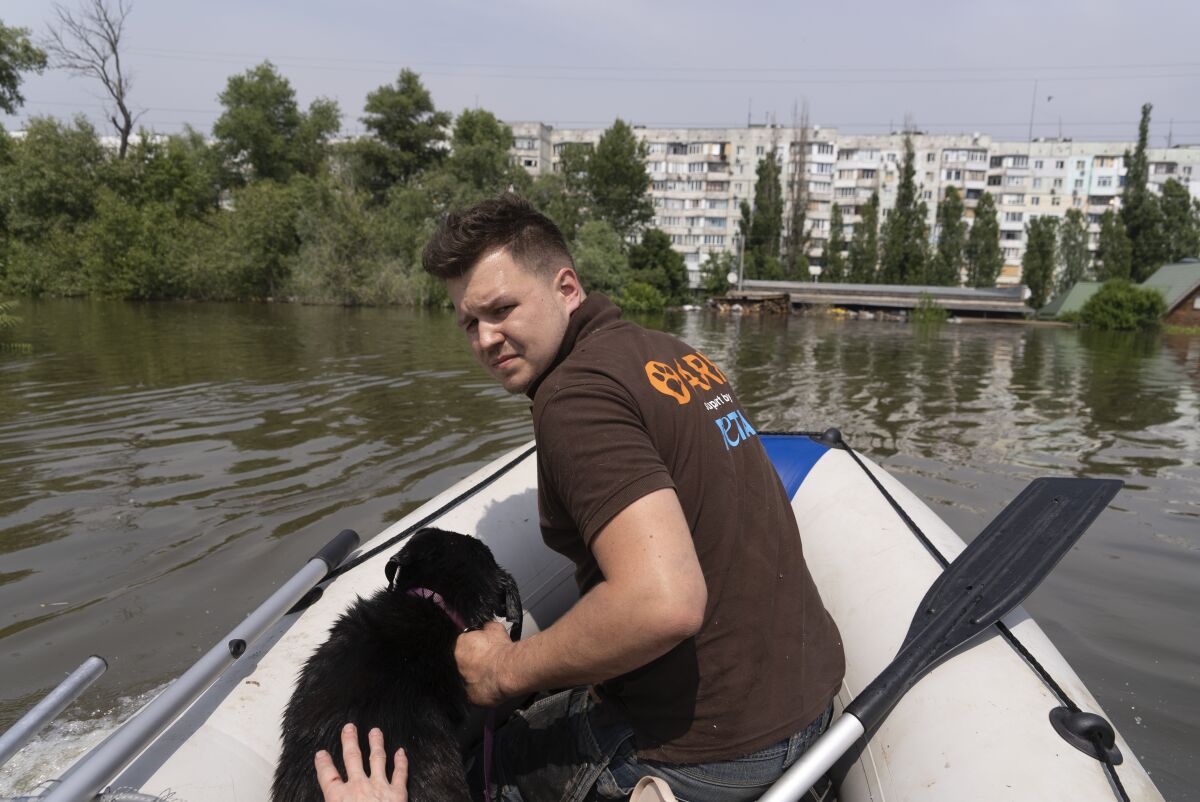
(953, 67)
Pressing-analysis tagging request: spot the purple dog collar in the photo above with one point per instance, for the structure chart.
(436, 598)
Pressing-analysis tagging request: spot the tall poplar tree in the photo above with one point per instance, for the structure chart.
(1037, 265)
(762, 226)
(904, 244)
(1140, 212)
(864, 245)
(1113, 254)
(946, 269)
(1181, 222)
(834, 269)
(1072, 250)
(983, 255)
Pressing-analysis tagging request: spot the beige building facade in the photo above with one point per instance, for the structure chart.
(700, 176)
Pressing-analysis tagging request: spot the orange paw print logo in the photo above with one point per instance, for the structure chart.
(664, 379)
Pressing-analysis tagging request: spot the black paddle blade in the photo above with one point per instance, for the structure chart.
(988, 579)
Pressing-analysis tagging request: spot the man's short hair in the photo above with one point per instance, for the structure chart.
(509, 222)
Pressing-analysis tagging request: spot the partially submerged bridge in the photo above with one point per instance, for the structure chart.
(964, 301)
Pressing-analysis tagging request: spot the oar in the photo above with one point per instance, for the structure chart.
(988, 579)
(98, 767)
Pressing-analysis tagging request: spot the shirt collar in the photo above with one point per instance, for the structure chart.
(596, 312)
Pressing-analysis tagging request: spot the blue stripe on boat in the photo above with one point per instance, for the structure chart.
(793, 456)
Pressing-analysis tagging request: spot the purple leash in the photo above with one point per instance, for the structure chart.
(489, 725)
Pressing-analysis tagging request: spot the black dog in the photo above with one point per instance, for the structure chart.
(389, 663)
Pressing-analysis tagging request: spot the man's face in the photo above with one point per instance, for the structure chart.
(514, 319)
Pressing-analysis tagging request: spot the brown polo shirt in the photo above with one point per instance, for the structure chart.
(623, 412)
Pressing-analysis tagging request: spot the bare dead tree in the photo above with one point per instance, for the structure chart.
(88, 43)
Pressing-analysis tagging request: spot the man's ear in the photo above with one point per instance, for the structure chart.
(566, 283)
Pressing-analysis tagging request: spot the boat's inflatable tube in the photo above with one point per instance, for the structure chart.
(976, 728)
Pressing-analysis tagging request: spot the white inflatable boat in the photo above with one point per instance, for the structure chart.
(977, 727)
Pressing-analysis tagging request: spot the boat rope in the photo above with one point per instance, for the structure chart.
(1007, 633)
(431, 517)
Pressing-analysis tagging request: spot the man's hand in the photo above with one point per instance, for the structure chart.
(479, 655)
(360, 786)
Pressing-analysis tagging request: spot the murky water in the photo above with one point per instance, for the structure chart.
(162, 467)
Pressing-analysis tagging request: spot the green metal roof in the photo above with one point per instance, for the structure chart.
(1070, 301)
(1176, 281)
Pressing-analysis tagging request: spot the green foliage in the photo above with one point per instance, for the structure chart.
(8, 320)
(904, 242)
(53, 177)
(1037, 265)
(262, 131)
(1140, 212)
(478, 166)
(179, 170)
(617, 181)
(714, 273)
(17, 55)
(1072, 250)
(654, 263)
(1113, 253)
(864, 245)
(553, 195)
(762, 225)
(408, 136)
(928, 311)
(1181, 222)
(600, 258)
(1122, 305)
(948, 258)
(128, 250)
(638, 296)
(834, 269)
(983, 256)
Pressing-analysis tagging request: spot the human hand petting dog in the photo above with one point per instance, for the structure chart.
(359, 785)
(479, 656)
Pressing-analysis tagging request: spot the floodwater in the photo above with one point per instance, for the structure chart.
(164, 466)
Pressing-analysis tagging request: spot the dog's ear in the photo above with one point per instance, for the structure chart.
(513, 612)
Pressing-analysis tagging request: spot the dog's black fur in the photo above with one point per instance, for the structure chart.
(389, 663)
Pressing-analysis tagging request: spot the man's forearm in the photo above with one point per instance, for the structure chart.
(607, 633)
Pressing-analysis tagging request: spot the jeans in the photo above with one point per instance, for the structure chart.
(567, 748)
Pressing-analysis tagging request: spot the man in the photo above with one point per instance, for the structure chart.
(699, 651)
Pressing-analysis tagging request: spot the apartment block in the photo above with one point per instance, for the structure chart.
(700, 176)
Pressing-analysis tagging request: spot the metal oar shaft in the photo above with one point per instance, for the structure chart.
(812, 765)
(87, 777)
(51, 705)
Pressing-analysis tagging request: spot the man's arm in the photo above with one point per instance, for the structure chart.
(652, 598)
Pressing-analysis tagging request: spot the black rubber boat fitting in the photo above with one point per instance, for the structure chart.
(1087, 732)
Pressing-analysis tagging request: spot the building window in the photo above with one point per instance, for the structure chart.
(1076, 202)
(1056, 201)
(714, 239)
(1014, 217)
(1020, 161)
(1034, 200)
(1014, 180)
(1058, 182)
(930, 157)
(1104, 181)
(1037, 165)
(1037, 183)
(741, 150)
(1012, 200)
(1080, 164)
(529, 162)
(1058, 165)
(759, 150)
(1078, 183)
(1011, 235)
(997, 161)
(994, 180)
(927, 194)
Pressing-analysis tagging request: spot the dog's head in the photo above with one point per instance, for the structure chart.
(463, 571)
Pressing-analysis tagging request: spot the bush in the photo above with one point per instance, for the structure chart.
(928, 310)
(1121, 305)
(638, 296)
